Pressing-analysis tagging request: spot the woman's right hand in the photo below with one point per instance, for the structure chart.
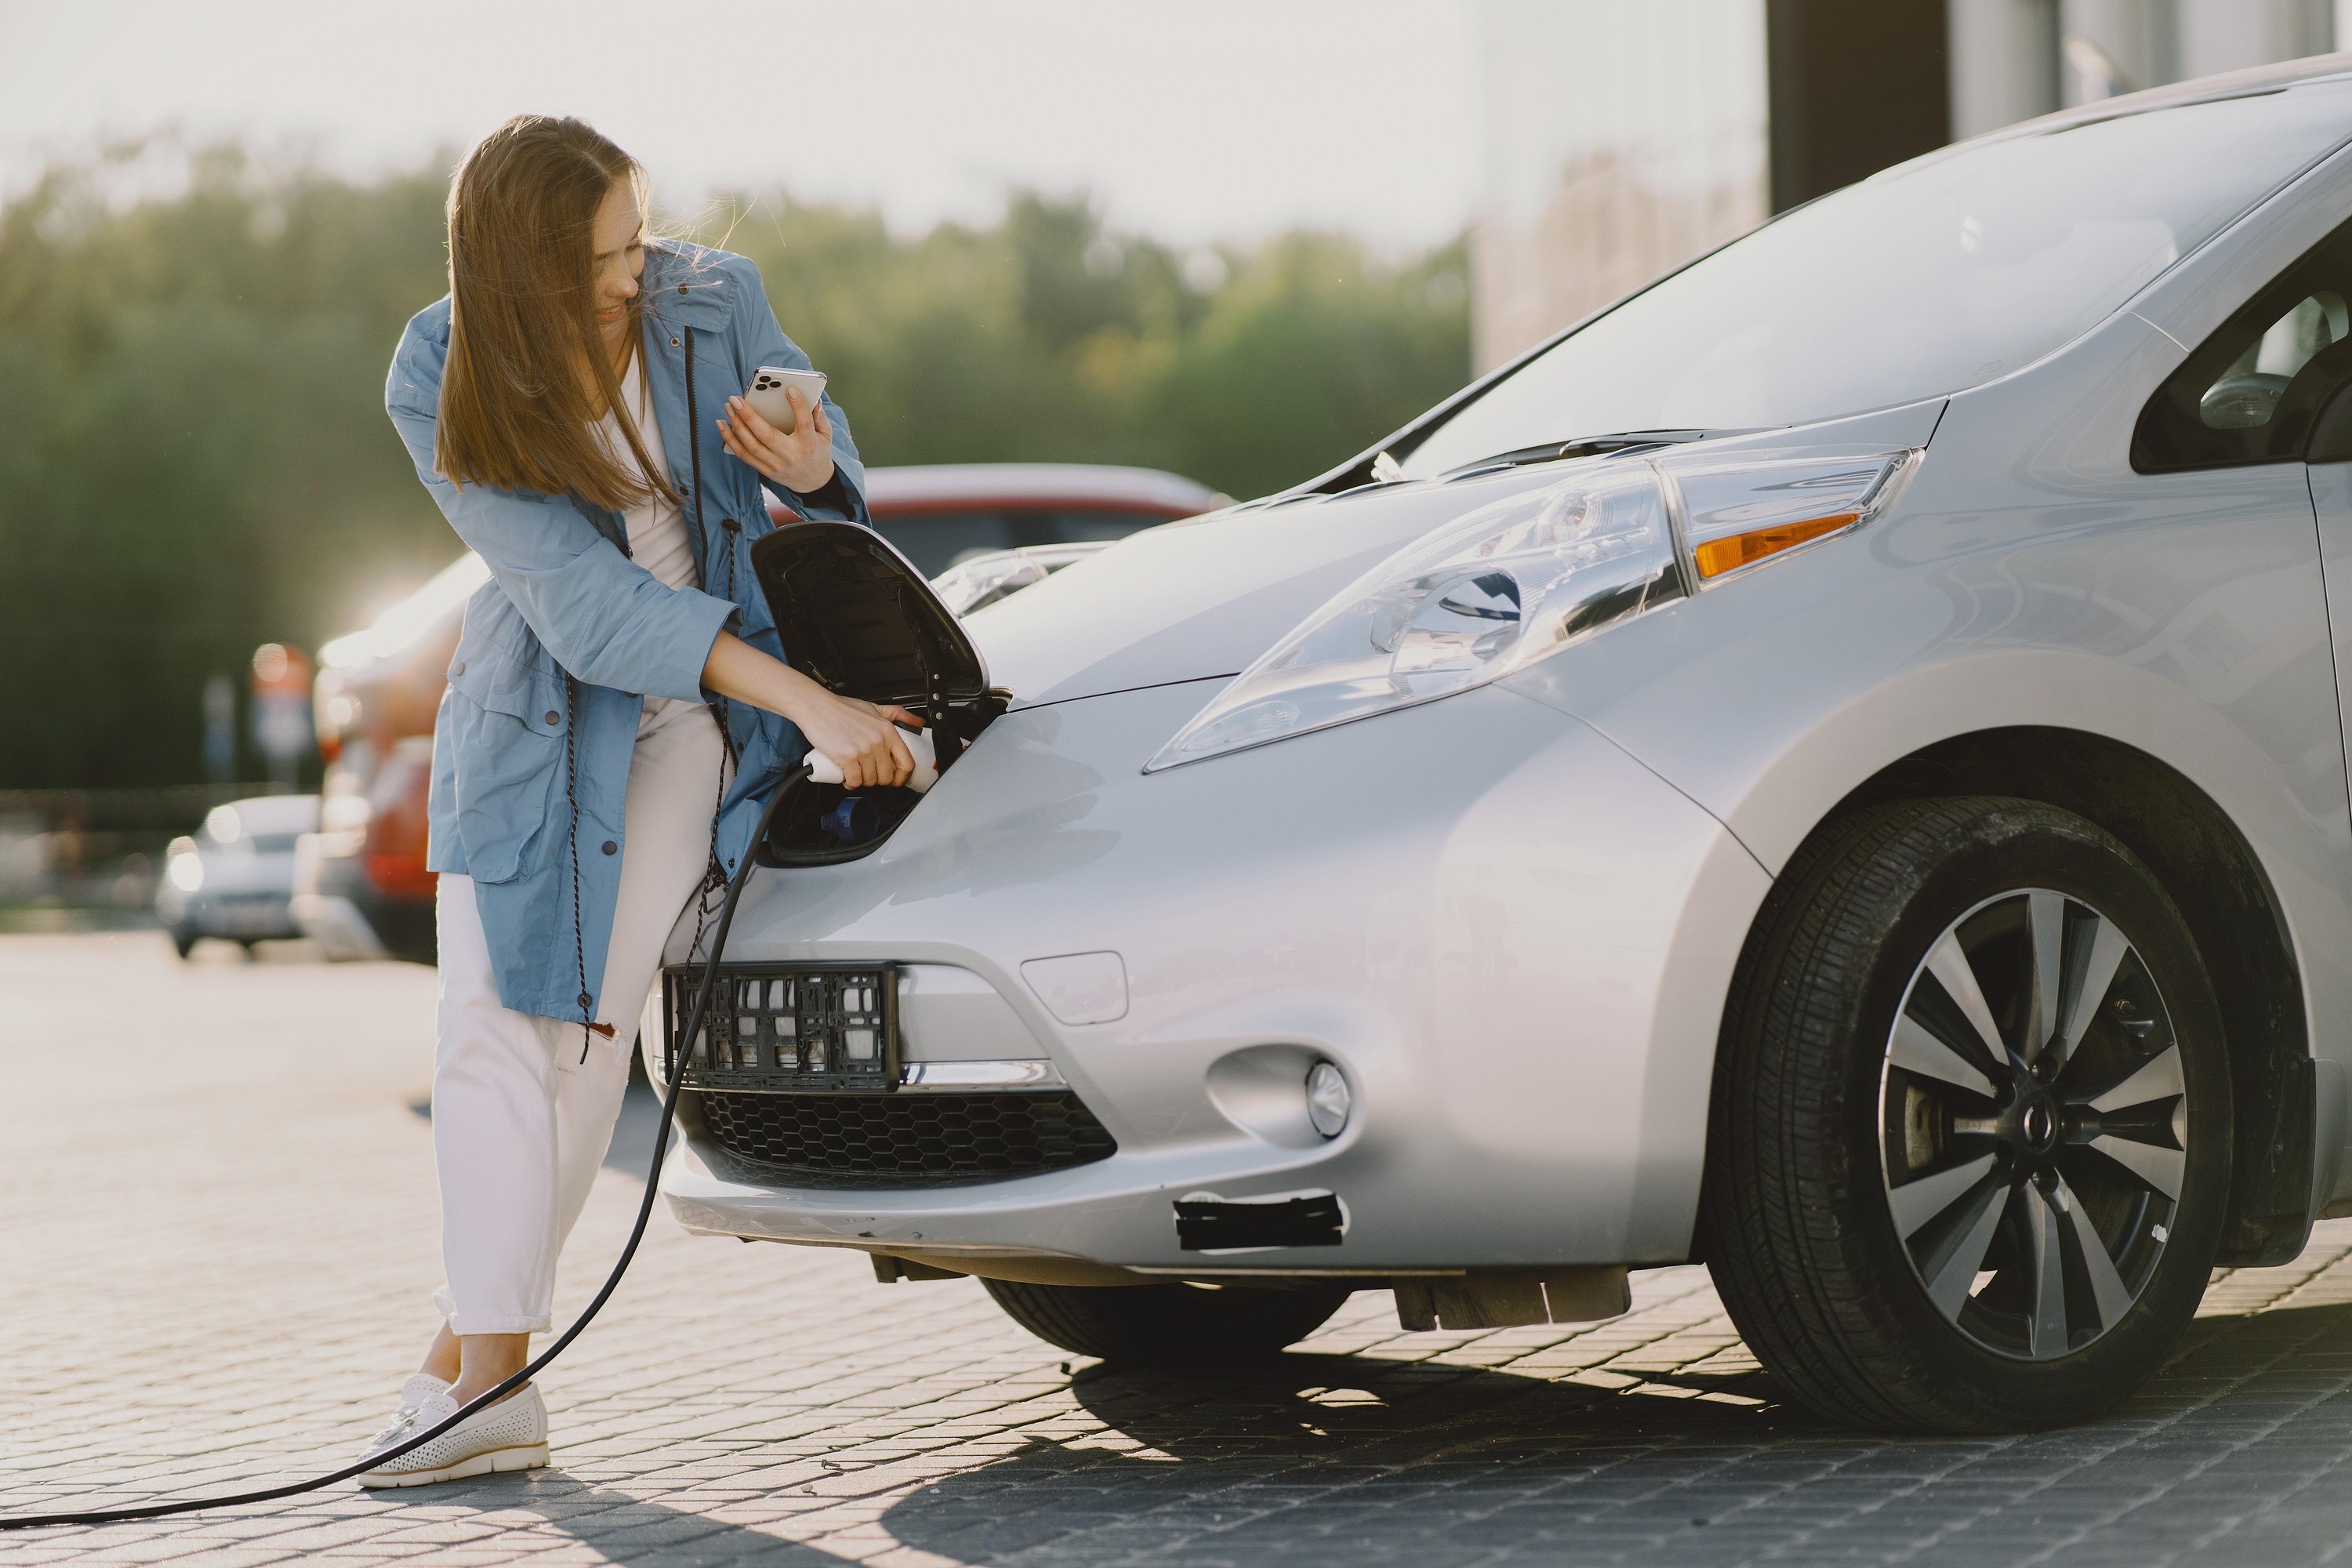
(861, 737)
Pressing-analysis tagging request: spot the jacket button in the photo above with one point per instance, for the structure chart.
(458, 668)
(673, 342)
(611, 847)
(681, 287)
(553, 717)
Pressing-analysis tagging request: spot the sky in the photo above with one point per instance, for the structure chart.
(1196, 121)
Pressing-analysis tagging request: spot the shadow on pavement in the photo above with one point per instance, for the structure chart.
(1420, 1445)
(1343, 1459)
(632, 1134)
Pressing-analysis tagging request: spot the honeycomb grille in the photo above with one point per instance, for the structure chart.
(938, 1137)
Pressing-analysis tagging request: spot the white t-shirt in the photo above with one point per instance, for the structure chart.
(658, 536)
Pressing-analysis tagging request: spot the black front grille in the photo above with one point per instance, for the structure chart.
(787, 1025)
(924, 1136)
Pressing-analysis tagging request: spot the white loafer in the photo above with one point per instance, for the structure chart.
(420, 1386)
(508, 1436)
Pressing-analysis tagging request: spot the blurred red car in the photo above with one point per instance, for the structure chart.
(360, 889)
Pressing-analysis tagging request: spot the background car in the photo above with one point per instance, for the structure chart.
(361, 887)
(982, 581)
(944, 515)
(233, 876)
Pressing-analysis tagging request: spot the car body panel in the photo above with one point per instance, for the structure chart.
(1250, 916)
(1165, 606)
(2027, 576)
(1169, 605)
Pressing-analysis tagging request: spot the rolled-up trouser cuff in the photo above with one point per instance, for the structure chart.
(462, 1326)
(462, 1323)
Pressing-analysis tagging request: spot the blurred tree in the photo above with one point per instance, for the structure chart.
(1312, 351)
(195, 458)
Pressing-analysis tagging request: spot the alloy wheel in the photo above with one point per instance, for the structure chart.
(2033, 1122)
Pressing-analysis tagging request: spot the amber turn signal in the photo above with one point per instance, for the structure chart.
(1718, 556)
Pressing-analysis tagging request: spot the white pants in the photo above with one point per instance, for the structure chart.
(521, 1123)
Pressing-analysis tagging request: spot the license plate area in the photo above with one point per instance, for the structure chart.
(792, 1027)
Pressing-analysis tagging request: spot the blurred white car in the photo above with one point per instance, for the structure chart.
(985, 580)
(233, 876)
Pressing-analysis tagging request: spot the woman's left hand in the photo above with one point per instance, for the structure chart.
(802, 461)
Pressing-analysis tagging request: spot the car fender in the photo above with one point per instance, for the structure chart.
(2199, 641)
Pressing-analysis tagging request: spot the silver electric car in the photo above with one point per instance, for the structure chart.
(1832, 767)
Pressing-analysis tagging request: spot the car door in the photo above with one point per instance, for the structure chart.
(2269, 394)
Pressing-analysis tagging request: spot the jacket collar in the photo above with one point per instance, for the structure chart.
(685, 288)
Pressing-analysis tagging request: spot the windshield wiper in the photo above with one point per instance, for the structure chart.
(1580, 446)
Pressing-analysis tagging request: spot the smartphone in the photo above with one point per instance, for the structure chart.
(767, 392)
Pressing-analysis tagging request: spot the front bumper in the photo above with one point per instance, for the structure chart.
(1512, 938)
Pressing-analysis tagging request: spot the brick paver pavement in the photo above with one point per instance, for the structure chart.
(219, 1240)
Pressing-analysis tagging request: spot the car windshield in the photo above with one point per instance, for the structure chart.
(1935, 275)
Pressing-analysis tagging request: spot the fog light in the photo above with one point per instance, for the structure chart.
(1329, 1100)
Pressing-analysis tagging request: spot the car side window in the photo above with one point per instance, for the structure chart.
(2266, 387)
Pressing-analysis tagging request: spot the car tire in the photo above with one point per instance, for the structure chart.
(1164, 1324)
(184, 943)
(1899, 1211)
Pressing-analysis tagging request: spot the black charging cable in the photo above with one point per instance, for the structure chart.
(637, 1233)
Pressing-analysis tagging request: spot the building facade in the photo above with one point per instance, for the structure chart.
(1621, 140)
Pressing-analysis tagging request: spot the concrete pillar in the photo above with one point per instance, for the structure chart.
(1620, 139)
(1856, 85)
(2230, 35)
(2004, 62)
(2115, 47)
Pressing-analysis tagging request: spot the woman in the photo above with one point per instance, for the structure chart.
(617, 700)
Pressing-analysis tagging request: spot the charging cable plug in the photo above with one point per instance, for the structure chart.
(824, 770)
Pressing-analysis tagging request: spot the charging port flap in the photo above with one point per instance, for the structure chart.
(856, 617)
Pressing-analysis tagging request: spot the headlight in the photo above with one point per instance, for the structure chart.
(186, 871)
(1519, 580)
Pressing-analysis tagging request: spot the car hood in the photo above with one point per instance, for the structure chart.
(1191, 600)
(1204, 597)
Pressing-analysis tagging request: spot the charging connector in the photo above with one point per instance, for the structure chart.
(824, 770)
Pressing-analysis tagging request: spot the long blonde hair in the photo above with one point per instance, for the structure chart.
(517, 411)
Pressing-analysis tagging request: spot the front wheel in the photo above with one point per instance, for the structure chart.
(1970, 1145)
(1147, 1324)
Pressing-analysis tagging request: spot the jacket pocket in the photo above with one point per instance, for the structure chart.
(505, 740)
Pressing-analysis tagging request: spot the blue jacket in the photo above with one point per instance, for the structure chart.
(515, 742)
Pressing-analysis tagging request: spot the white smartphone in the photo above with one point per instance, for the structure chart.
(766, 395)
